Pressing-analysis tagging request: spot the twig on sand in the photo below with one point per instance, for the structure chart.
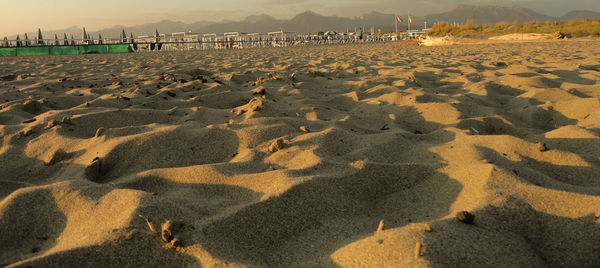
(418, 250)
(148, 222)
(381, 227)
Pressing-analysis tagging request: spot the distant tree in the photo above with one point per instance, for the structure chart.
(470, 24)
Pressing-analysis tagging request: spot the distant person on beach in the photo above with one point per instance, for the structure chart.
(360, 35)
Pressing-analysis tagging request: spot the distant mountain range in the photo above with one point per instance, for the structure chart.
(312, 22)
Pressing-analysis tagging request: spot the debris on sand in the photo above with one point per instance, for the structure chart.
(255, 104)
(465, 217)
(51, 124)
(381, 227)
(148, 223)
(66, 120)
(276, 145)
(259, 91)
(176, 243)
(239, 111)
(168, 231)
(258, 82)
(418, 250)
(304, 129)
(99, 132)
(541, 147)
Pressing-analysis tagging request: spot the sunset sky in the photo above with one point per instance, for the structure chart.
(28, 15)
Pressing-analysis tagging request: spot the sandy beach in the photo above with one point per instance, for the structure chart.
(292, 157)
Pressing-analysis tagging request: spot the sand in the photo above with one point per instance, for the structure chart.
(292, 157)
(508, 38)
(524, 36)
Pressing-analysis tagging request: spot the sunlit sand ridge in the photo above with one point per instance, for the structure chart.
(294, 156)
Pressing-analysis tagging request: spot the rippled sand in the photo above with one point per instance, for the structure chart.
(98, 151)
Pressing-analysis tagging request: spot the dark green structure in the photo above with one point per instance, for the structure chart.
(65, 50)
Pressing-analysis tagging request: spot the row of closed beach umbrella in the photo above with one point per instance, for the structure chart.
(86, 39)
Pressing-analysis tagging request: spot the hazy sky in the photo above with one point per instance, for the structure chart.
(28, 15)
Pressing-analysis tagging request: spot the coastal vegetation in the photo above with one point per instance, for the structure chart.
(572, 28)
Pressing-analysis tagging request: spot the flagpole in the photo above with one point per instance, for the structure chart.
(409, 22)
(396, 21)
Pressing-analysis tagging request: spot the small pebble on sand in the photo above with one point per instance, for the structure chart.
(465, 217)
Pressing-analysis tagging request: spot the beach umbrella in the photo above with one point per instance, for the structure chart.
(40, 39)
(100, 39)
(26, 40)
(18, 41)
(124, 36)
(159, 45)
(84, 35)
(66, 40)
(133, 42)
